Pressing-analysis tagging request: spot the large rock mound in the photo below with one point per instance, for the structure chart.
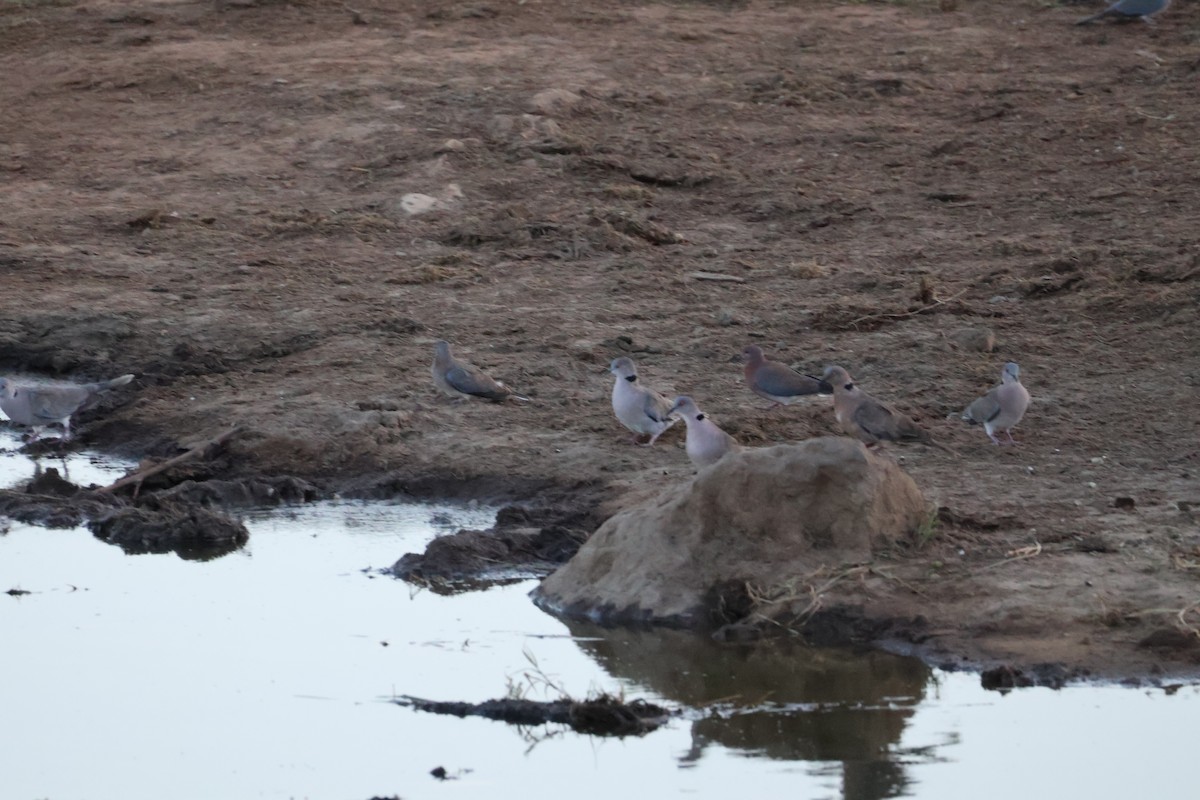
(765, 516)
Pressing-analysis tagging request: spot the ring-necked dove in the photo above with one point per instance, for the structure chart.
(869, 420)
(1002, 407)
(638, 407)
(40, 406)
(706, 443)
(462, 380)
(777, 382)
(1129, 10)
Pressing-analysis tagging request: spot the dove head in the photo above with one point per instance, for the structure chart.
(1011, 373)
(839, 379)
(623, 368)
(752, 355)
(686, 407)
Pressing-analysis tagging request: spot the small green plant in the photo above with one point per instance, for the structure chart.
(928, 527)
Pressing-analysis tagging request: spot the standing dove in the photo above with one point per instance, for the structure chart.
(638, 407)
(462, 380)
(778, 382)
(43, 405)
(1126, 10)
(869, 420)
(1002, 407)
(706, 443)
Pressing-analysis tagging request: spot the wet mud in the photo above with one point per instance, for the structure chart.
(862, 186)
(600, 716)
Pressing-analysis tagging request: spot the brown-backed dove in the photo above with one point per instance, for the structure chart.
(1002, 407)
(39, 406)
(638, 407)
(706, 443)
(869, 420)
(462, 380)
(778, 382)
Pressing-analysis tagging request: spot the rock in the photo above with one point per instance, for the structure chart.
(764, 516)
(974, 340)
(526, 127)
(554, 101)
(416, 203)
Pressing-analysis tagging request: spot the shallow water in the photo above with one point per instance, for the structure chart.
(80, 468)
(268, 673)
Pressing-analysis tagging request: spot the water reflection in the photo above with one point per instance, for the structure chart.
(777, 700)
(277, 663)
(83, 468)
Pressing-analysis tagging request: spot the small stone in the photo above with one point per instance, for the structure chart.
(974, 340)
(1125, 503)
(416, 203)
(554, 101)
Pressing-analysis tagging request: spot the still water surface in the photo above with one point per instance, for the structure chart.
(267, 673)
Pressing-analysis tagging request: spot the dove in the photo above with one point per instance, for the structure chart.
(39, 406)
(638, 407)
(1129, 10)
(869, 420)
(706, 443)
(777, 382)
(462, 380)
(1002, 407)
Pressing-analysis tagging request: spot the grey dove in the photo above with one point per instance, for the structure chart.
(869, 420)
(638, 407)
(706, 443)
(39, 406)
(461, 380)
(777, 382)
(1002, 407)
(1129, 10)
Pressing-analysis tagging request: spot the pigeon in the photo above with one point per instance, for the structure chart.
(461, 380)
(40, 406)
(869, 420)
(638, 407)
(1002, 407)
(706, 443)
(778, 382)
(1126, 10)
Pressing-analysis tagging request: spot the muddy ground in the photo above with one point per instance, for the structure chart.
(216, 196)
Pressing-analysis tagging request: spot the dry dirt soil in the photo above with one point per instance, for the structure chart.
(270, 211)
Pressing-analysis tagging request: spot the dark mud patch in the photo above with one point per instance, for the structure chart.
(53, 502)
(525, 542)
(241, 493)
(602, 716)
(165, 526)
(185, 518)
(1005, 676)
